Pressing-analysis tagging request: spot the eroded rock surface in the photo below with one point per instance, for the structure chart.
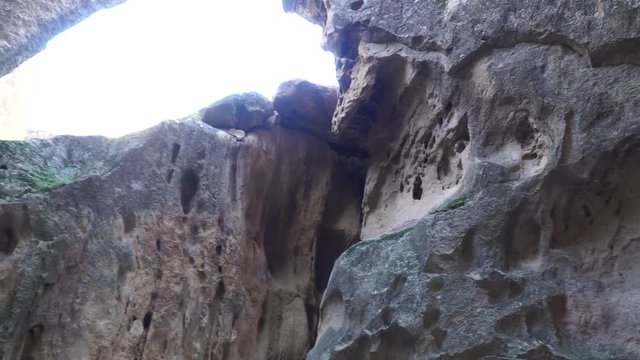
(500, 198)
(179, 242)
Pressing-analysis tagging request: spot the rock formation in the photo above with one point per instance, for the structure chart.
(499, 200)
(484, 150)
(183, 241)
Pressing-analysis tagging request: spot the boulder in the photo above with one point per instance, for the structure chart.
(306, 106)
(243, 111)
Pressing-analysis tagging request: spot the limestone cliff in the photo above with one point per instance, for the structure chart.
(500, 197)
(484, 150)
(182, 242)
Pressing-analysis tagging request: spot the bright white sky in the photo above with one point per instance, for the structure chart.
(132, 66)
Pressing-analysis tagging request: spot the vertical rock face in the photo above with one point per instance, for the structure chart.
(500, 201)
(180, 242)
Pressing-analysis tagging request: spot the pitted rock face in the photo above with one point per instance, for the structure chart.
(182, 241)
(499, 198)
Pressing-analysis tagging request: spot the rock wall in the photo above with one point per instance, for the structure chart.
(499, 199)
(486, 150)
(180, 242)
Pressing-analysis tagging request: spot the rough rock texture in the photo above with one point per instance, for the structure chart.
(179, 242)
(306, 106)
(243, 111)
(500, 195)
(27, 25)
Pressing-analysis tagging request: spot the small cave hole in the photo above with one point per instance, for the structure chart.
(189, 183)
(460, 146)
(174, 152)
(524, 132)
(428, 139)
(128, 220)
(31, 342)
(417, 188)
(530, 156)
(169, 175)
(146, 322)
(158, 245)
(220, 290)
(219, 250)
(4, 167)
(356, 5)
(8, 240)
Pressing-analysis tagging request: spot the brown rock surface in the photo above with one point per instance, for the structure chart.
(306, 106)
(180, 242)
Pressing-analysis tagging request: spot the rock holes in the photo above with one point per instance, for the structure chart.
(525, 243)
(31, 342)
(417, 188)
(439, 336)
(158, 245)
(524, 133)
(220, 290)
(146, 322)
(189, 183)
(3, 167)
(218, 250)
(356, 5)
(174, 152)
(8, 240)
(128, 220)
(169, 175)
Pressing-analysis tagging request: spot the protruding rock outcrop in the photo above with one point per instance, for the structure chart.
(306, 106)
(499, 193)
(239, 111)
(182, 241)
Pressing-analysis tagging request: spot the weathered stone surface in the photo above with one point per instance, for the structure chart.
(243, 111)
(499, 199)
(180, 242)
(27, 25)
(306, 106)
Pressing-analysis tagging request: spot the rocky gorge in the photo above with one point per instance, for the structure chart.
(466, 193)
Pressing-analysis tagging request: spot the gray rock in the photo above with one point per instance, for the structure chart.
(306, 106)
(27, 25)
(502, 134)
(182, 241)
(243, 111)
